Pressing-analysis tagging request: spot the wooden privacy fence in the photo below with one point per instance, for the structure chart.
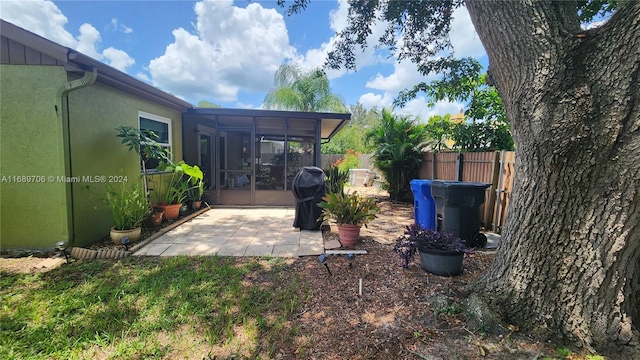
(495, 168)
(365, 161)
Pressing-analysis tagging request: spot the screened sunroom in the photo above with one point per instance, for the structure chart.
(250, 157)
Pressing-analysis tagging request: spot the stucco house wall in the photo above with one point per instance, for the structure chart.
(33, 204)
(58, 114)
(94, 113)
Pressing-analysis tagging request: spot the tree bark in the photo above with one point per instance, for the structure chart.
(569, 262)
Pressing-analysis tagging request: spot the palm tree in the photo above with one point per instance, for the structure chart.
(297, 89)
(400, 141)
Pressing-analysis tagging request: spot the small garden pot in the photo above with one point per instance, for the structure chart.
(154, 220)
(183, 209)
(441, 262)
(132, 234)
(196, 205)
(348, 234)
(171, 212)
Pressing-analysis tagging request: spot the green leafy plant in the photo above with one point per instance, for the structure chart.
(185, 179)
(348, 208)
(335, 179)
(349, 161)
(400, 142)
(144, 143)
(448, 309)
(128, 206)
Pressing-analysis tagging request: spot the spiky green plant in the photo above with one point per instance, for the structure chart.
(348, 208)
(399, 153)
(335, 179)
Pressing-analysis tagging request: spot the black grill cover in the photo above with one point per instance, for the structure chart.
(308, 189)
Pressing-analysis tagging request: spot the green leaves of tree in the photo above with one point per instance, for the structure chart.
(303, 90)
(399, 151)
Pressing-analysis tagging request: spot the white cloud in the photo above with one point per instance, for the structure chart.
(464, 37)
(144, 77)
(232, 48)
(44, 18)
(118, 58)
(116, 25)
(371, 100)
(87, 41)
(405, 75)
(417, 107)
(337, 22)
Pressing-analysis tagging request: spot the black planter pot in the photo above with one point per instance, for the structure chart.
(441, 262)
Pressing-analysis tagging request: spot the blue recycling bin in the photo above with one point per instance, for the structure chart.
(424, 206)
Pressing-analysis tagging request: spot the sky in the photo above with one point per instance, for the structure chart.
(227, 52)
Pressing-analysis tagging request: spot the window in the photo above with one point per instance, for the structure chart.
(161, 126)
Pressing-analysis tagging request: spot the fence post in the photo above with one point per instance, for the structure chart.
(489, 217)
(498, 211)
(459, 162)
(433, 166)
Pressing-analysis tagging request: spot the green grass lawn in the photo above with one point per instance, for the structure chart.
(141, 308)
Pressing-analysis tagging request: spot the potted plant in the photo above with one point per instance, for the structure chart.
(184, 178)
(155, 218)
(195, 194)
(441, 253)
(129, 208)
(144, 143)
(350, 212)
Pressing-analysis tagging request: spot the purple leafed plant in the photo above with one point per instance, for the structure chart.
(416, 237)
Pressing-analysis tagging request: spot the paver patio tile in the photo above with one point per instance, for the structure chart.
(164, 239)
(233, 249)
(266, 240)
(285, 250)
(179, 231)
(259, 250)
(308, 250)
(186, 239)
(241, 240)
(217, 239)
(152, 249)
(247, 231)
(239, 232)
(226, 232)
(205, 249)
(288, 241)
(178, 249)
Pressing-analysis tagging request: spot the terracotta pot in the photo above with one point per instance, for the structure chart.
(349, 234)
(154, 220)
(172, 211)
(132, 234)
(196, 205)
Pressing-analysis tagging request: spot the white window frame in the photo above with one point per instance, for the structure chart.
(161, 119)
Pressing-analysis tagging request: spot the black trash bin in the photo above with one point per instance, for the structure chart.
(308, 188)
(458, 209)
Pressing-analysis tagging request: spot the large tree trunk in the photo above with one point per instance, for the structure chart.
(569, 262)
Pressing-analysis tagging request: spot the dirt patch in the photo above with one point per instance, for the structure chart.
(401, 313)
(29, 264)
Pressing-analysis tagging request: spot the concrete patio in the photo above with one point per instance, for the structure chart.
(238, 232)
